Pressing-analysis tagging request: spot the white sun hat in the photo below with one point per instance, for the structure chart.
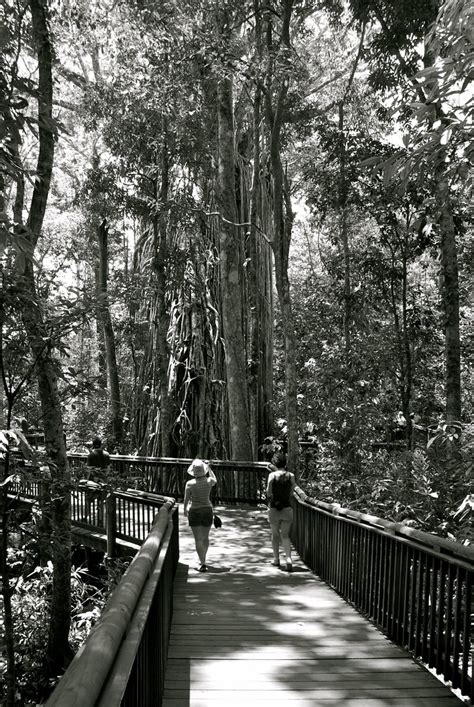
(197, 468)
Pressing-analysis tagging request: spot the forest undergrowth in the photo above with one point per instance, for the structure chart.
(31, 608)
(428, 488)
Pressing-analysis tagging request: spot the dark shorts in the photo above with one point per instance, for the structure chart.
(277, 517)
(200, 516)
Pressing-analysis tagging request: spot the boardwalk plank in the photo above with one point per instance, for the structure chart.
(333, 682)
(278, 695)
(309, 667)
(246, 633)
(236, 701)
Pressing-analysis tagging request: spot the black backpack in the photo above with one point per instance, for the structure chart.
(98, 458)
(281, 491)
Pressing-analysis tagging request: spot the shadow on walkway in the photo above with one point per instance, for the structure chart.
(249, 633)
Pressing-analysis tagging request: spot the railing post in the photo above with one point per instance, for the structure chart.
(110, 518)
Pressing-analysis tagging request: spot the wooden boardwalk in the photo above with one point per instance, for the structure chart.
(246, 633)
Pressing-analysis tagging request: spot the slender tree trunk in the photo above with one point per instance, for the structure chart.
(400, 332)
(407, 381)
(2, 247)
(58, 651)
(344, 233)
(267, 317)
(161, 315)
(450, 298)
(260, 286)
(282, 220)
(9, 627)
(101, 349)
(254, 322)
(260, 281)
(230, 251)
(108, 333)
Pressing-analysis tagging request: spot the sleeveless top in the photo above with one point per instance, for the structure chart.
(281, 491)
(98, 458)
(200, 490)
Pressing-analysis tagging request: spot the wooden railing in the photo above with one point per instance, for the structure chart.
(237, 482)
(123, 660)
(123, 515)
(415, 586)
(120, 515)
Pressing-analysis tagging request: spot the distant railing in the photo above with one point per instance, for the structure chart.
(120, 515)
(415, 586)
(237, 482)
(123, 659)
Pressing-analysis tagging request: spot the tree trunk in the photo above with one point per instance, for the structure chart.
(161, 316)
(260, 302)
(9, 627)
(2, 246)
(282, 227)
(450, 298)
(101, 349)
(58, 651)
(344, 233)
(407, 381)
(230, 252)
(108, 331)
(282, 220)
(402, 337)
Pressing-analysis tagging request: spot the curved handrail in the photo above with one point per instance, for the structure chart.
(83, 681)
(237, 481)
(442, 547)
(416, 587)
(185, 462)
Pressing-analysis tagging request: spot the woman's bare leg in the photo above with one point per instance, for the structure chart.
(201, 539)
(275, 541)
(285, 526)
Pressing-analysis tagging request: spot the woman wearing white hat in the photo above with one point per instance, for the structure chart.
(197, 496)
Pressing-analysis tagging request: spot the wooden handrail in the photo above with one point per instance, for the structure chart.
(171, 461)
(237, 481)
(416, 587)
(83, 681)
(443, 547)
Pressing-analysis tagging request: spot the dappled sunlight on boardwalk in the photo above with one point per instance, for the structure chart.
(248, 633)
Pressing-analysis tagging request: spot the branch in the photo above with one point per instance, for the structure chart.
(336, 76)
(356, 62)
(233, 223)
(46, 126)
(66, 104)
(71, 76)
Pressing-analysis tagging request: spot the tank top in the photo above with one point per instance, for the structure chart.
(200, 491)
(281, 491)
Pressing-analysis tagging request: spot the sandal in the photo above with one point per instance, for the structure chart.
(202, 568)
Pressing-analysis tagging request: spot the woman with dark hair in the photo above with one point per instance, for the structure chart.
(98, 458)
(280, 486)
(98, 461)
(198, 507)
